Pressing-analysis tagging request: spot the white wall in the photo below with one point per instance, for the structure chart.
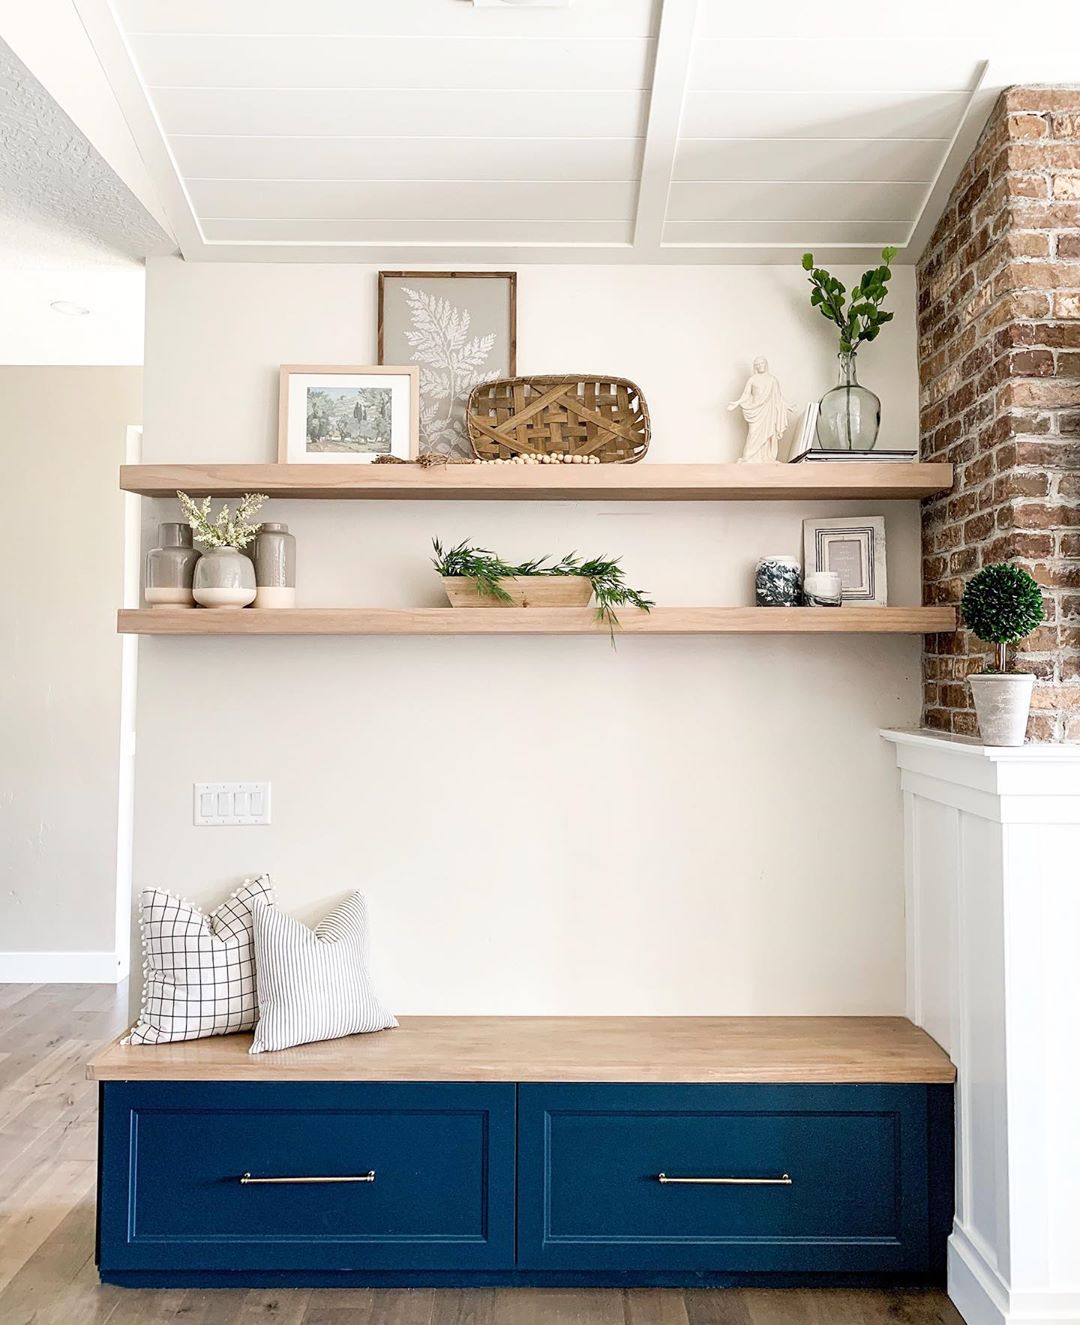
(543, 825)
(62, 436)
(32, 332)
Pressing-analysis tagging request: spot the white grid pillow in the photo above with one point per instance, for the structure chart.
(314, 984)
(198, 970)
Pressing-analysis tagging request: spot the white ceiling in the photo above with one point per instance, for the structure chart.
(405, 131)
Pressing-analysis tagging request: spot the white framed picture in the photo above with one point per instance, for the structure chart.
(340, 415)
(853, 547)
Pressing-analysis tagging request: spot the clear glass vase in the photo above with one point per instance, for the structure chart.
(850, 414)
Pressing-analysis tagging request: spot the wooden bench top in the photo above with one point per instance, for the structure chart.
(626, 1049)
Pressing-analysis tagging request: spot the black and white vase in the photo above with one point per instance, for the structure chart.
(777, 582)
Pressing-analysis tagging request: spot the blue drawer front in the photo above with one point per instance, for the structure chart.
(174, 1153)
(589, 1157)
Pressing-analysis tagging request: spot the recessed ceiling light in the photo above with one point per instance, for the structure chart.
(69, 309)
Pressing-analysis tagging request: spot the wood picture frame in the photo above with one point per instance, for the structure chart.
(416, 325)
(387, 433)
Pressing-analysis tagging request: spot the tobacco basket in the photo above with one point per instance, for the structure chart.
(605, 417)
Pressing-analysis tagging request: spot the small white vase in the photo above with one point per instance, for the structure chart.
(224, 577)
(1002, 705)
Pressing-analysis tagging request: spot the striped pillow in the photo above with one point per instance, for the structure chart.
(198, 970)
(314, 984)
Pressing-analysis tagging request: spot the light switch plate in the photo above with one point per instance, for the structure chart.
(231, 803)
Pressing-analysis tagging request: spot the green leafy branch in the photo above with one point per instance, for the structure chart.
(486, 569)
(861, 317)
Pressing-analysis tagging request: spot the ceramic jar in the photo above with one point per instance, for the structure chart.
(274, 555)
(224, 577)
(170, 568)
(823, 588)
(776, 582)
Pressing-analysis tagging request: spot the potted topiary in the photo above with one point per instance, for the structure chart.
(1001, 605)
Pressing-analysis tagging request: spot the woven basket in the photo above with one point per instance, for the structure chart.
(604, 417)
(524, 591)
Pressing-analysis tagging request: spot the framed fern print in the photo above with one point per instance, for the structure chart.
(460, 327)
(341, 415)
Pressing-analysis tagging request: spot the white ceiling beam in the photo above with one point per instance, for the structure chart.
(981, 100)
(671, 75)
(116, 59)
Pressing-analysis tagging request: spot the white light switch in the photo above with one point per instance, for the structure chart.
(222, 803)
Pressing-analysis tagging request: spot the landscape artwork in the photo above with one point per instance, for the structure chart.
(461, 329)
(349, 419)
(348, 415)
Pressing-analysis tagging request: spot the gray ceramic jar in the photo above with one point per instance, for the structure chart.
(224, 577)
(170, 568)
(274, 556)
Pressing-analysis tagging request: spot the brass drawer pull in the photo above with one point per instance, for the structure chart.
(246, 1179)
(783, 1181)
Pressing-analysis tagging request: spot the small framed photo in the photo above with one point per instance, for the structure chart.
(347, 415)
(854, 547)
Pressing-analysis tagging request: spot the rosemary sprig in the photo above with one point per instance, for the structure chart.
(606, 576)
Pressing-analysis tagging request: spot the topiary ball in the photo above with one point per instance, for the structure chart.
(1002, 604)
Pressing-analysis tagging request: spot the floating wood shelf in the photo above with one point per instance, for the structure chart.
(537, 621)
(621, 1049)
(640, 482)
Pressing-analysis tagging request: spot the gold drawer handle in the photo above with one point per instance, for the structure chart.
(246, 1179)
(783, 1181)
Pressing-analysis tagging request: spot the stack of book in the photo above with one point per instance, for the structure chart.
(806, 448)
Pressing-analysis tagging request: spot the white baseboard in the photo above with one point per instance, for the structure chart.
(62, 968)
(980, 1296)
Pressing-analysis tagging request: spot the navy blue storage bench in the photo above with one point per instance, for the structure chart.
(550, 1151)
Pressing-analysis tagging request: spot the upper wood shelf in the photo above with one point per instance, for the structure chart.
(681, 1049)
(536, 621)
(640, 482)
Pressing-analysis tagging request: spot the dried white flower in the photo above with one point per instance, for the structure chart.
(226, 529)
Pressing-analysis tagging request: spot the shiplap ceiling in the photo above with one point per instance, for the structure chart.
(408, 131)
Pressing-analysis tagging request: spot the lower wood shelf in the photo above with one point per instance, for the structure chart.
(537, 621)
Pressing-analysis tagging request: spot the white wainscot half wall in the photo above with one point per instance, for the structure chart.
(992, 847)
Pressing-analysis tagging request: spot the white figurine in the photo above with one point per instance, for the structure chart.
(766, 414)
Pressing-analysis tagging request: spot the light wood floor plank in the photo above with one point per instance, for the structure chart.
(655, 1306)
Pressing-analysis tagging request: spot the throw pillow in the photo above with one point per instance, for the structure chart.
(198, 970)
(314, 984)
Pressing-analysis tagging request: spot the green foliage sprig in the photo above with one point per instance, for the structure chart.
(485, 568)
(1001, 605)
(227, 528)
(862, 318)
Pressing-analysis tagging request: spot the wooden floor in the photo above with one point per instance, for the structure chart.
(47, 1274)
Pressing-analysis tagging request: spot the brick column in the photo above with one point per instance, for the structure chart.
(999, 367)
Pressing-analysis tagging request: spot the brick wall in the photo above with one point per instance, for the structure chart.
(999, 366)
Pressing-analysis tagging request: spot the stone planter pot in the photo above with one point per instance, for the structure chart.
(1002, 705)
(170, 568)
(224, 577)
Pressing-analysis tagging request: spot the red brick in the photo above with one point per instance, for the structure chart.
(1041, 100)
(1029, 126)
(1043, 515)
(1016, 546)
(1031, 363)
